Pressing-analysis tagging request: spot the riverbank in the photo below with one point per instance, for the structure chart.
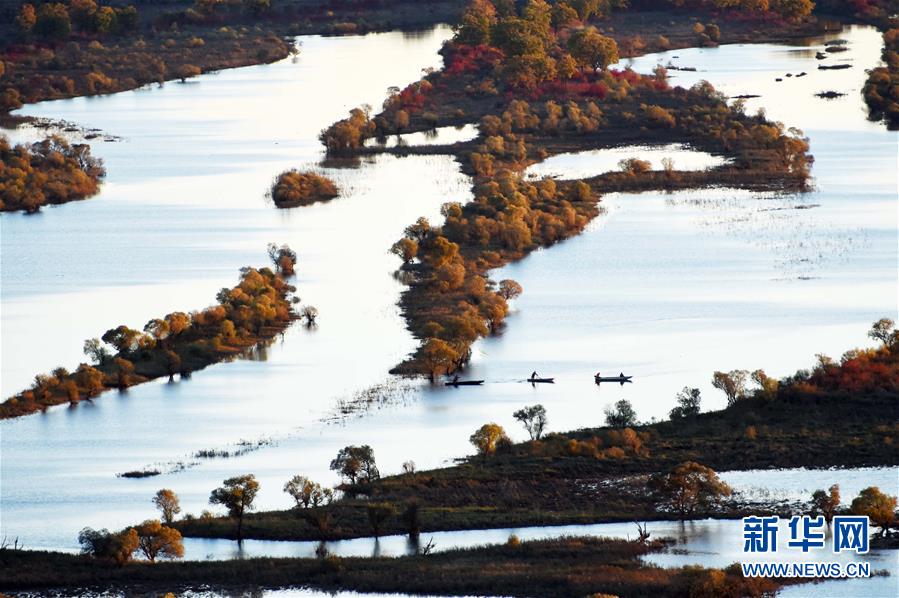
(529, 109)
(882, 87)
(563, 567)
(48, 172)
(247, 316)
(820, 419)
(179, 40)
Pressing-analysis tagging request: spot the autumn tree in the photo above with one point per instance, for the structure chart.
(592, 49)
(878, 506)
(26, 18)
(438, 357)
(418, 231)
(124, 370)
(509, 289)
(533, 419)
(378, 514)
(116, 547)
(356, 464)
(732, 384)
(236, 495)
(476, 23)
(284, 258)
(168, 504)
(294, 188)
(688, 487)
(621, 415)
(307, 493)
(488, 438)
(687, 403)
(406, 249)
(825, 503)
(186, 71)
(156, 540)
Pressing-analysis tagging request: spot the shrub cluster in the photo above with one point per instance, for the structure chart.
(51, 171)
(254, 310)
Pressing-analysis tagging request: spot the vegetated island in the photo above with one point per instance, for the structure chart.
(293, 188)
(83, 47)
(838, 414)
(882, 87)
(564, 567)
(537, 81)
(253, 312)
(50, 171)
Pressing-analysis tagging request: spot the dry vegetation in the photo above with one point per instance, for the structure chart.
(254, 311)
(293, 188)
(882, 88)
(563, 567)
(536, 80)
(48, 172)
(839, 414)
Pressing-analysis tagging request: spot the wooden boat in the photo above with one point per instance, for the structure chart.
(464, 383)
(621, 379)
(542, 380)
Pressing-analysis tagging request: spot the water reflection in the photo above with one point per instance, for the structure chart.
(590, 163)
(439, 136)
(669, 287)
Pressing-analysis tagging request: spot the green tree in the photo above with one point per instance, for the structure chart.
(237, 496)
(168, 504)
(622, 415)
(356, 464)
(476, 23)
(94, 349)
(592, 49)
(488, 438)
(884, 330)
(116, 547)
(878, 506)
(533, 419)
(688, 401)
(688, 487)
(307, 493)
(53, 21)
(378, 514)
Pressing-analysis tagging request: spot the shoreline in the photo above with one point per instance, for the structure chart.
(179, 344)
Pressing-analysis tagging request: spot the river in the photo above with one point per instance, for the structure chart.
(667, 287)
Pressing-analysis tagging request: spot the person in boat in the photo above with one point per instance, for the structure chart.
(456, 379)
(534, 375)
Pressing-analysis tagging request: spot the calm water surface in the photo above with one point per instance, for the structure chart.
(667, 287)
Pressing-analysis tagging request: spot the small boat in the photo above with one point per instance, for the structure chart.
(621, 379)
(541, 380)
(464, 383)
